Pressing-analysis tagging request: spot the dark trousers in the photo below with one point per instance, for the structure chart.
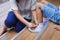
(12, 21)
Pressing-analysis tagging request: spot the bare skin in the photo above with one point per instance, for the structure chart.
(3, 29)
(39, 15)
(57, 27)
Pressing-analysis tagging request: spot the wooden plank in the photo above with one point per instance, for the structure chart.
(56, 36)
(26, 35)
(48, 32)
(42, 31)
(31, 36)
(9, 35)
(2, 1)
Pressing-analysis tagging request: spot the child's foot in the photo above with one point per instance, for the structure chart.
(57, 27)
(2, 30)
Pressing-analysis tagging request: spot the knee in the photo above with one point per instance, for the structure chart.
(39, 5)
(11, 19)
(8, 22)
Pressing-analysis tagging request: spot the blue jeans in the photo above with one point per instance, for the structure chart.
(11, 20)
(51, 12)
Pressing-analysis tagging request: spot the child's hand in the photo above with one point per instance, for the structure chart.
(31, 25)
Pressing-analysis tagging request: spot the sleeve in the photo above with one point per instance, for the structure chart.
(33, 7)
(13, 5)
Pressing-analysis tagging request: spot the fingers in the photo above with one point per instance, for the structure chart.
(33, 26)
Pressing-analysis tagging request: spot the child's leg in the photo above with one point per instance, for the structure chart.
(50, 13)
(20, 26)
(3, 29)
(50, 5)
(39, 14)
(44, 17)
(9, 22)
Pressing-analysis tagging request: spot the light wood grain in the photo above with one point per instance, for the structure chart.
(26, 35)
(9, 35)
(50, 33)
(56, 36)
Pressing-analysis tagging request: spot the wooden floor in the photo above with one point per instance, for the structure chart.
(26, 35)
(50, 33)
(9, 35)
(3, 1)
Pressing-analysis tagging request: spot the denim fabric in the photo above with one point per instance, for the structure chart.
(51, 12)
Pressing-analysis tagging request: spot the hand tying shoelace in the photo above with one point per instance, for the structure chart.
(37, 29)
(40, 26)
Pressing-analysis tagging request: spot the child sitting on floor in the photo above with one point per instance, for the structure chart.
(51, 11)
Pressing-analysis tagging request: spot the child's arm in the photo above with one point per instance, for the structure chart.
(16, 11)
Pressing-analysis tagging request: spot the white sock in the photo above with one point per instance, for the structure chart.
(40, 24)
(45, 20)
(39, 27)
